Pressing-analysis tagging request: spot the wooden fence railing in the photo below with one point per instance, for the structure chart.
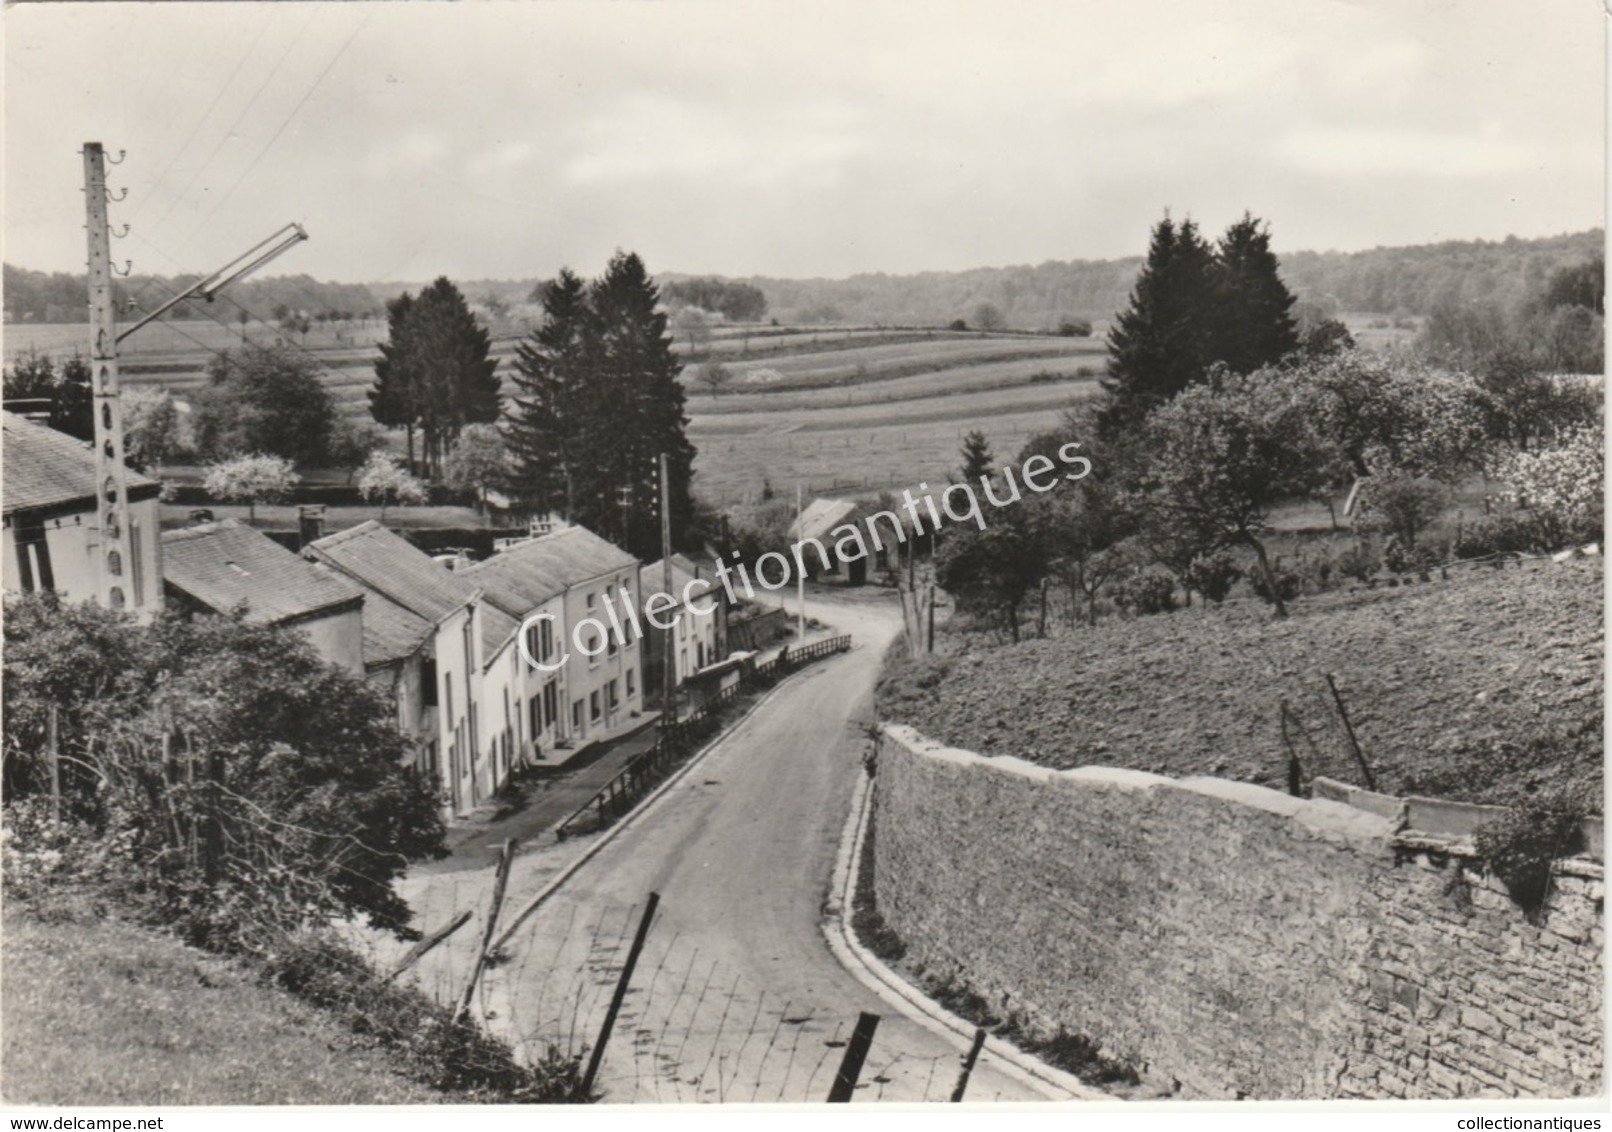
(677, 741)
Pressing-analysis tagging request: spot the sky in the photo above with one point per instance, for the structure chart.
(793, 139)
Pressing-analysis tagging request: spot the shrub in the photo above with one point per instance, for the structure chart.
(1500, 534)
(1075, 328)
(1151, 592)
(1289, 583)
(1212, 575)
(1360, 561)
(1521, 848)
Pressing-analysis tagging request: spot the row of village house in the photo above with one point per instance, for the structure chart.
(443, 641)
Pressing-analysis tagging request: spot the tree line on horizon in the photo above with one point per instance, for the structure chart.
(1409, 281)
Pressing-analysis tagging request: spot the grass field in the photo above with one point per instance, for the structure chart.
(100, 1012)
(1483, 688)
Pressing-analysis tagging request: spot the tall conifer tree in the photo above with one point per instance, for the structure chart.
(1253, 323)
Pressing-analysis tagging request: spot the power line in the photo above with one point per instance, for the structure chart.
(340, 51)
(211, 106)
(239, 118)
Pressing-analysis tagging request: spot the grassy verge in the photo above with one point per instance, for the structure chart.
(101, 1012)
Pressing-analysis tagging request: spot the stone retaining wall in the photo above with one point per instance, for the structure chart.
(1238, 940)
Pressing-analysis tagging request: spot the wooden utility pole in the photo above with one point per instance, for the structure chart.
(668, 677)
(114, 565)
(800, 575)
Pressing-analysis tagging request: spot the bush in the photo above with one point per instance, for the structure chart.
(1360, 561)
(1075, 328)
(1289, 583)
(1213, 576)
(1500, 534)
(1521, 848)
(1152, 592)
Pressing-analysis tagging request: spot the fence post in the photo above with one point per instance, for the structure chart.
(506, 858)
(856, 1052)
(621, 993)
(417, 952)
(968, 1065)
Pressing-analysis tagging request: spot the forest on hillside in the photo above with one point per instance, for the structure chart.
(1399, 281)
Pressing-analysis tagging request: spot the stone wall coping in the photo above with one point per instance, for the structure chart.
(1337, 808)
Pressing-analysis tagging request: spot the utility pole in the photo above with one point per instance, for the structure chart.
(111, 477)
(800, 576)
(668, 677)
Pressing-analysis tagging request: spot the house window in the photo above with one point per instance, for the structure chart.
(428, 682)
(33, 555)
(610, 643)
(590, 601)
(551, 703)
(534, 709)
(593, 706)
(612, 695)
(632, 682)
(576, 716)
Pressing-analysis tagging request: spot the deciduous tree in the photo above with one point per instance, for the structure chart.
(252, 479)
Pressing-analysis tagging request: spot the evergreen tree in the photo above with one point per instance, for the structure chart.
(392, 398)
(599, 402)
(550, 421)
(1164, 341)
(435, 373)
(638, 390)
(977, 459)
(1253, 325)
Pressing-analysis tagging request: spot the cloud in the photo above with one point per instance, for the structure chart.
(1380, 151)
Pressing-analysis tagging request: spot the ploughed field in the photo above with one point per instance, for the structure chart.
(1484, 688)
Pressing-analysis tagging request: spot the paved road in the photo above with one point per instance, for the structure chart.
(737, 997)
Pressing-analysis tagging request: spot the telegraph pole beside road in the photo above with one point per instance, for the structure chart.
(114, 564)
(668, 679)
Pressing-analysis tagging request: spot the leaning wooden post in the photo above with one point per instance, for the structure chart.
(418, 951)
(856, 1052)
(506, 857)
(1360, 756)
(621, 993)
(968, 1065)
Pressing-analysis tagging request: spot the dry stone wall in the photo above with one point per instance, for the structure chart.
(1240, 941)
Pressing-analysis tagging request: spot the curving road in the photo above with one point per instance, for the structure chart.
(737, 997)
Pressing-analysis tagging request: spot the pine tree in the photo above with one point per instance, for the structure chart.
(392, 399)
(1164, 341)
(977, 459)
(638, 390)
(1253, 324)
(549, 419)
(599, 402)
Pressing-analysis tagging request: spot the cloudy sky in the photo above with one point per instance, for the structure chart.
(793, 139)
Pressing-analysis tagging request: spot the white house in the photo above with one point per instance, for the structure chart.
(51, 528)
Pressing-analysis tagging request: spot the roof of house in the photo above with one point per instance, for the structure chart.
(226, 566)
(533, 572)
(823, 515)
(391, 633)
(399, 571)
(652, 578)
(46, 468)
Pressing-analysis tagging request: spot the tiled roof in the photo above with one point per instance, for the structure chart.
(525, 576)
(652, 578)
(46, 468)
(822, 515)
(399, 571)
(225, 566)
(391, 633)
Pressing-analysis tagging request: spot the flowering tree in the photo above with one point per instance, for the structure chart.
(255, 479)
(383, 478)
(1563, 484)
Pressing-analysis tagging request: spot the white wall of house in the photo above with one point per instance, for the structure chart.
(456, 645)
(544, 699)
(606, 690)
(72, 540)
